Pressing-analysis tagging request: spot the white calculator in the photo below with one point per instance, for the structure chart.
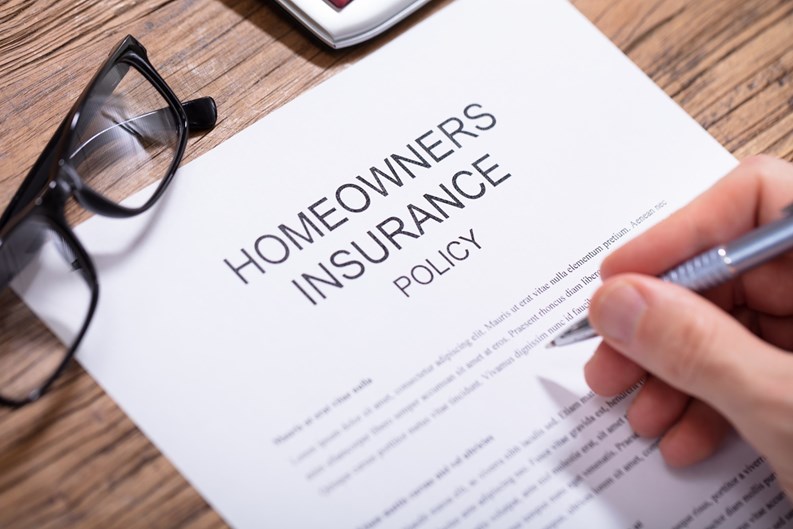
(341, 23)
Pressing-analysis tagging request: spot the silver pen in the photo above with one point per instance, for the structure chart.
(712, 267)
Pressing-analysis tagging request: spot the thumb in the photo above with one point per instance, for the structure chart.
(686, 341)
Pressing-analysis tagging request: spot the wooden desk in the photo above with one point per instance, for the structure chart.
(73, 459)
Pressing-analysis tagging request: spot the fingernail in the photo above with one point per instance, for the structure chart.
(619, 311)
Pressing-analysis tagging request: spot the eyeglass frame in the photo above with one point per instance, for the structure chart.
(53, 180)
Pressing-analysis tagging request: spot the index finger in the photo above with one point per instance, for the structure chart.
(753, 193)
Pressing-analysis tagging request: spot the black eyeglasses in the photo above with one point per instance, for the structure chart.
(127, 129)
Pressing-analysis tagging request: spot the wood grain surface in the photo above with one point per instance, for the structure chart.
(74, 459)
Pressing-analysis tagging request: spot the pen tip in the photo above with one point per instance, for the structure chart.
(550, 345)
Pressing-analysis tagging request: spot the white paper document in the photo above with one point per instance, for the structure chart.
(337, 318)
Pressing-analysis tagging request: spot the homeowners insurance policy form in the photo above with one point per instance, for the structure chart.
(337, 318)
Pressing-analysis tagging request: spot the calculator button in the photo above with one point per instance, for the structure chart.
(340, 3)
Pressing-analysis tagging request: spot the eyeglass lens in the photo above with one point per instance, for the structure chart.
(126, 137)
(36, 262)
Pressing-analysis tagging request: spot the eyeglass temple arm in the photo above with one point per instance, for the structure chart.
(201, 117)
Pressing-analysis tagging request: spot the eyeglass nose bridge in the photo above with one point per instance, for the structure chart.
(69, 183)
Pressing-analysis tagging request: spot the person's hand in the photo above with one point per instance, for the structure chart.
(715, 359)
